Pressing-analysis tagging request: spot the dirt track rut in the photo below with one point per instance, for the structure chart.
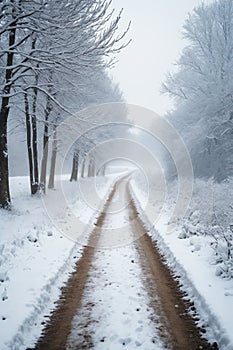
(176, 328)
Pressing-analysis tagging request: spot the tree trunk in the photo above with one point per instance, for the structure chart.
(35, 155)
(74, 172)
(53, 161)
(34, 138)
(4, 171)
(29, 142)
(93, 168)
(89, 168)
(45, 147)
(83, 169)
(44, 160)
(4, 113)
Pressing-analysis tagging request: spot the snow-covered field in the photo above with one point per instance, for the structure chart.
(197, 251)
(36, 259)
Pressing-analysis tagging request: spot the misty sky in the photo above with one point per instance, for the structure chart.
(156, 31)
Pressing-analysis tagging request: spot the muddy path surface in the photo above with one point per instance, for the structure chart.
(121, 294)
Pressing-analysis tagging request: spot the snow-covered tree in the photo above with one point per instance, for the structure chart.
(101, 90)
(203, 88)
(41, 42)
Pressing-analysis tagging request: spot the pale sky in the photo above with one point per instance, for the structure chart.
(156, 32)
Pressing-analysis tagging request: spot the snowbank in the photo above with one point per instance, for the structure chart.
(191, 259)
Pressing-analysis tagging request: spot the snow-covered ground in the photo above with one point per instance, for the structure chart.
(36, 259)
(190, 253)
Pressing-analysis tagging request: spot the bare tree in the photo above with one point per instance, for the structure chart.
(39, 37)
(75, 164)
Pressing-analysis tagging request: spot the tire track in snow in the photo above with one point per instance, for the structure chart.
(55, 333)
(115, 312)
(123, 296)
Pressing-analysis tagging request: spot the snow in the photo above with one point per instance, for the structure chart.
(116, 308)
(191, 260)
(122, 314)
(36, 260)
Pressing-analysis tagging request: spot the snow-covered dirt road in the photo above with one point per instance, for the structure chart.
(121, 296)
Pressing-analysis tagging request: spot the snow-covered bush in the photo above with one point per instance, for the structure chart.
(210, 214)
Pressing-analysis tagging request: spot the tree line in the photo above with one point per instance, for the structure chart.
(53, 60)
(202, 87)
